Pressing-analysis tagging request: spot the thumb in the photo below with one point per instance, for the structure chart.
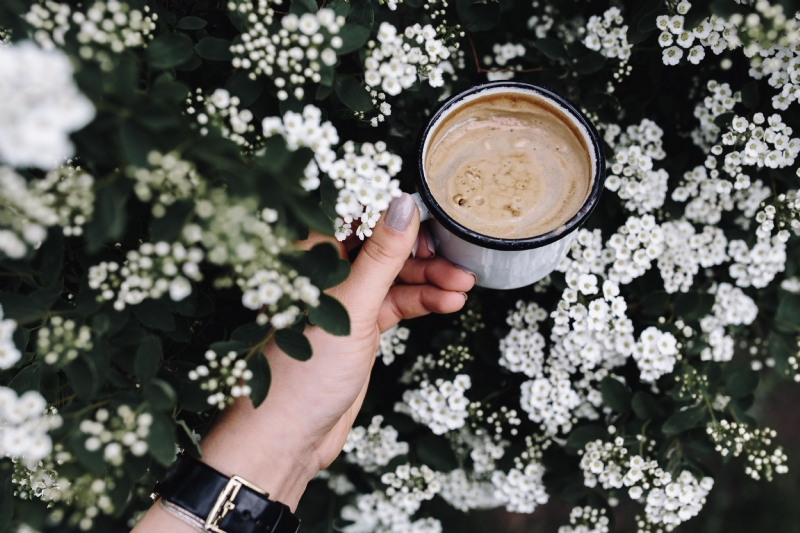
(380, 259)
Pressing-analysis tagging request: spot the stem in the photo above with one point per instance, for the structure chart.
(482, 70)
(259, 347)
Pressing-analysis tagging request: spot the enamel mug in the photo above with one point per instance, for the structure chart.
(506, 263)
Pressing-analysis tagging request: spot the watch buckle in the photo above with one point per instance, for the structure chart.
(224, 503)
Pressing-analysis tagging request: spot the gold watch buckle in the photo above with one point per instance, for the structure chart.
(224, 503)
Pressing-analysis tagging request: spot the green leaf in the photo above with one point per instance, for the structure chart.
(191, 23)
(596, 101)
(251, 333)
(168, 227)
(354, 36)
(590, 63)
(684, 420)
(29, 378)
(787, 317)
(478, 15)
(644, 406)
(340, 7)
(299, 7)
(321, 265)
(161, 439)
(615, 394)
(20, 308)
(552, 48)
(46, 297)
(725, 8)
(692, 305)
(581, 435)
(214, 49)
(222, 348)
(361, 12)
(148, 358)
(135, 143)
(6, 502)
(750, 95)
(246, 90)
(655, 303)
(353, 94)
(741, 381)
(93, 461)
(723, 120)
(330, 315)
(108, 220)
(168, 50)
(52, 254)
(312, 216)
(648, 22)
(187, 442)
(262, 377)
(293, 344)
(436, 452)
(154, 314)
(83, 377)
(161, 395)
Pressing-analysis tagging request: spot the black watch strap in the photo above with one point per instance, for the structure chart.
(219, 503)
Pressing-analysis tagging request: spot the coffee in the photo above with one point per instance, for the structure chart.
(509, 165)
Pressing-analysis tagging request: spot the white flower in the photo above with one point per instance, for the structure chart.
(39, 106)
(672, 55)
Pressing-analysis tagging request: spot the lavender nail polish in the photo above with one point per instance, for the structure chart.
(400, 212)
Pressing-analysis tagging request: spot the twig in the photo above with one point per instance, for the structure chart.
(482, 70)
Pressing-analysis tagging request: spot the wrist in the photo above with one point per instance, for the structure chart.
(257, 446)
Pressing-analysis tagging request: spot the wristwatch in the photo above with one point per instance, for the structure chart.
(211, 501)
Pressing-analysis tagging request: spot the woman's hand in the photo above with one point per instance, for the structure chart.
(302, 425)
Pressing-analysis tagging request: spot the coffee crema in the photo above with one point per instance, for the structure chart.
(509, 165)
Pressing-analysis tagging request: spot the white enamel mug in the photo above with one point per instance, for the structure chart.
(506, 263)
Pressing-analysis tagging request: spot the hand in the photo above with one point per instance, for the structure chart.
(302, 425)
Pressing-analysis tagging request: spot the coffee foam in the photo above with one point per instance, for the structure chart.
(509, 163)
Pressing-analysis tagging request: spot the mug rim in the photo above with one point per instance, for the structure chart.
(498, 243)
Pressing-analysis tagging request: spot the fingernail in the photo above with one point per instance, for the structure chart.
(400, 212)
(429, 240)
(414, 248)
(474, 277)
(466, 296)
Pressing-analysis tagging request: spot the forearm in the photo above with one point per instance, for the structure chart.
(255, 444)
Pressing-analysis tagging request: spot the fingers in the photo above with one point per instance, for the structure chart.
(380, 260)
(410, 301)
(423, 247)
(439, 272)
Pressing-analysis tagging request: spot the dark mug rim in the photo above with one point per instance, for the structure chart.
(497, 243)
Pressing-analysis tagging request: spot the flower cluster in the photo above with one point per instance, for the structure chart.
(40, 106)
(375, 513)
(769, 146)
(521, 490)
(64, 197)
(168, 180)
(149, 272)
(9, 353)
(732, 438)
(713, 32)
(522, 350)
(608, 35)
(292, 55)
(397, 60)
(221, 111)
(26, 422)
(655, 353)
(632, 175)
(373, 446)
(668, 501)
(102, 27)
(441, 405)
(586, 520)
(392, 343)
(409, 486)
(117, 432)
(221, 378)
(708, 195)
(772, 49)
(721, 100)
(503, 53)
(732, 307)
(61, 341)
(464, 493)
(757, 266)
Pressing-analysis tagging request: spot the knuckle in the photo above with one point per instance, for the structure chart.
(379, 251)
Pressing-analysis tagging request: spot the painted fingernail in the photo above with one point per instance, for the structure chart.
(400, 212)
(414, 248)
(429, 240)
(466, 296)
(474, 277)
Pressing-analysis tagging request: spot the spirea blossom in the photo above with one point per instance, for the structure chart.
(392, 342)
(398, 59)
(732, 307)
(40, 105)
(64, 197)
(373, 446)
(224, 378)
(25, 422)
(714, 33)
(465, 493)
(608, 35)
(520, 490)
(503, 53)
(441, 405)
(655, 354)
(117, 433)
(375, 513)
(522, 350)
(9, 353)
